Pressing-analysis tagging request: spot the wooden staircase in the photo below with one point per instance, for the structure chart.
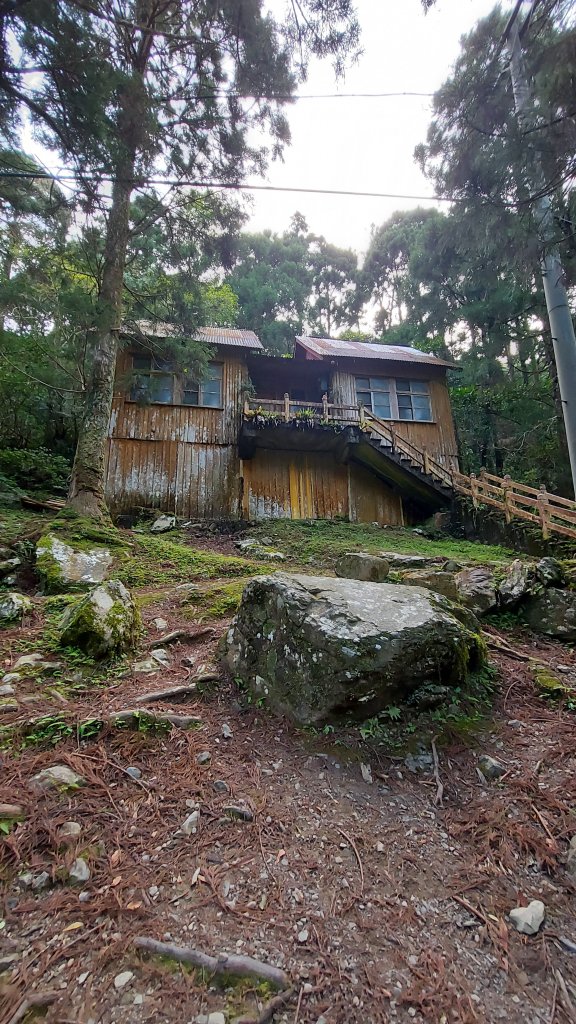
(553, 514)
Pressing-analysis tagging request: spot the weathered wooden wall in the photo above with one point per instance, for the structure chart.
(439, 437)
(300, 485)
(179, 458)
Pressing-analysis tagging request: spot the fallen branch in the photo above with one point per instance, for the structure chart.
(270, 1009)
(11, 811)
(180, 634)
(505, 648)
(439, 783)
(564, 997)
(178, 691)
(471, 910)
(245, 966)
(50, 504)
(357, 855)
(31, 1002)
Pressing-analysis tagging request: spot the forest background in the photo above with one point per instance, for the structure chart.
(462, 282)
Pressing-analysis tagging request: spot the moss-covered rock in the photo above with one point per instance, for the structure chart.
(553, 613)
(358, 565)
(13, 607)
(440, 582)
(62, 567)
(315, 647)
(103, 623)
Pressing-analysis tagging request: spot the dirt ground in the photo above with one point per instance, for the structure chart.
(382, 901)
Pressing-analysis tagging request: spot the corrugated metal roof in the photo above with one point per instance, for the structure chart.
(323, 348)
(209, 335)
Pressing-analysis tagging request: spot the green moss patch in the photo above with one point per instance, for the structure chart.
(216, 602)
(157, 561)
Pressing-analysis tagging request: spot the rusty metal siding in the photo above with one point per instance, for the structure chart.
(182, 459)
(371, 501)
(295, 485)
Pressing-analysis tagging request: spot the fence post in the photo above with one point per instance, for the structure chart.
(325, 406)
(508, 509)
(286, 407)
(544, 511)
(474, 489)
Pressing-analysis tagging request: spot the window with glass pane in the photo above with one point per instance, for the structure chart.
(413, 400)
(153, 380)
(207, 392)
(374, 394)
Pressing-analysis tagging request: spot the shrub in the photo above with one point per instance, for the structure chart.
(37, 470)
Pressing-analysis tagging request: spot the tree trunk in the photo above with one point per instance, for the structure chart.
(86, 493)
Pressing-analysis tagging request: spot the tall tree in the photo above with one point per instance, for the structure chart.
(125, 89)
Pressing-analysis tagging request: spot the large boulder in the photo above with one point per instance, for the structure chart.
(440, 582)
(103, 623)
(517, 583)
(61, 567)
(549, 572)
(553, 613)
(358, 565)
(13, 607)
(314, 647)
(399, 561)
(477, 589)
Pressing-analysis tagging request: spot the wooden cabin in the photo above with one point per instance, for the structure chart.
(339, 429)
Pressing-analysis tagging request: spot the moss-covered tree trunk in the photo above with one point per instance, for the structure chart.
(86, 493)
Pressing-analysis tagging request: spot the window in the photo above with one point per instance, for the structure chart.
(155, 380)
(206, 392)
(395, 399)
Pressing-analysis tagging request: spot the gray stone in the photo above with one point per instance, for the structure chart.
(163, 524)
(219, 786)
(549, 572)
(357, 565)
(6, 690)
(103, 623)
(13, 607)
(528, 920)
(226, 731)
(70, 830)
(452, 566)
(204, 757)
(477, 589)
(490, 768)
(62, 567)
(35, 660)
(515, 585)
(190, 824)
(41, 881)
(440, 582)
(211, 1018)
(134, 773)
(58, 776)
(399, 561)
(8, 566)
(79, 872)
(315, 646)
(146, 666)
(160, 624)
(553, 613)
(247, 544)
(123, 979)
(10, 677)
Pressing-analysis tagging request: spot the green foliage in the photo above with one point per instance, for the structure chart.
(155, 561)
(215, 602)
(38, 470)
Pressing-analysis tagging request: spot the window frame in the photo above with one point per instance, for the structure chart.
(395, 393)
(179, 384)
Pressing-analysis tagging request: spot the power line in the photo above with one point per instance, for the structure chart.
(218, 185)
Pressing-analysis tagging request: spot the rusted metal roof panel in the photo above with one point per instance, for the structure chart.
(331, 348)
(209, 335)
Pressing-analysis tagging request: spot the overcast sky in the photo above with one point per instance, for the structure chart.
(367, 144)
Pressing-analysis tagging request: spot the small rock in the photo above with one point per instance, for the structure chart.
(41, 881)
(138, 999)
(163, 524)
(219, 786)
(11, 677)
(29, 661)
(242, 813)
(380, 847)
(227, 731)
(490, 768)
(366, 773)
(70, 829)
(82, 977)
(161, 656)
(14, 606)
(24, 881)
(160, 624)
(123, 979)
(59, 776)
(149, 664)
(134, 773)
(303, 935)
(6, 690)
(8, 566)
(84, 896)
(7, 960)
(153, 891)
(79, 872)
(204, 757)
(190, 824)
(528, 920)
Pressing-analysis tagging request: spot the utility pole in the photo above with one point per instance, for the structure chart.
(561, 326)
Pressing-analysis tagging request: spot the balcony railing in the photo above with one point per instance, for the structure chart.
(286, 409)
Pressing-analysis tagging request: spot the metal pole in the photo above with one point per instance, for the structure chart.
(561, 326)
